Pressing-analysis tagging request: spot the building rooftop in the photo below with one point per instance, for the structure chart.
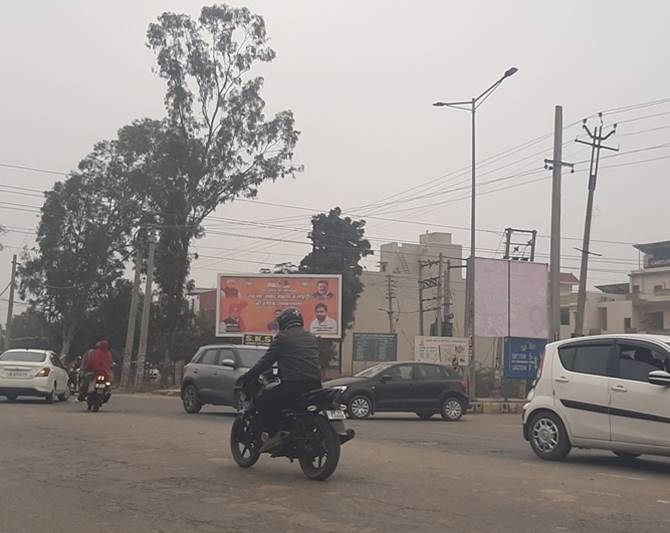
(654, 247)
(614, 288)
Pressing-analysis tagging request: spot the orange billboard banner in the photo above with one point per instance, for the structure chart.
(250, 304)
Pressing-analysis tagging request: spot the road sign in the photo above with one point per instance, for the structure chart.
(523, 356)
(375, 347)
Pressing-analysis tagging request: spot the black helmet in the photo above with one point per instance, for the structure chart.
(290, 318)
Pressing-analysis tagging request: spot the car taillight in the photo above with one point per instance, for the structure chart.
(465, 385)
(43, 373)
(101, 379)
(540, 366)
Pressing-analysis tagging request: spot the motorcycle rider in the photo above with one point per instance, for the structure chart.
(96, 362)
(296, 352)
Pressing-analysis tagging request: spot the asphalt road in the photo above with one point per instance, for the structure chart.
(142, 465)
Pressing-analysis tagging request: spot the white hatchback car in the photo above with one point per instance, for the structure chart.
(603, 392)
(33, 373)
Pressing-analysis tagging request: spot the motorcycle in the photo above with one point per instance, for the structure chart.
(99, 393)
(312, 432)
(74, 381)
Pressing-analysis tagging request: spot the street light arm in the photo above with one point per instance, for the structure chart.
(455, 105)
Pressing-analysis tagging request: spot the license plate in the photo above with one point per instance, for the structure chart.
(336, 415)
(99, 385)
(17, 374)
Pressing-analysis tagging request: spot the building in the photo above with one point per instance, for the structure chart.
(400, 272)
(650, 288)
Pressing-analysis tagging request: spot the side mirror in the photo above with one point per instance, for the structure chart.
(659, 377)
(229, 363)
(386, 378)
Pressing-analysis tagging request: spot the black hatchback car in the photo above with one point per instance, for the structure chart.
(423, 388)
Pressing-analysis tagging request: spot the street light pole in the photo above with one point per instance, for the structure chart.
(471, 106)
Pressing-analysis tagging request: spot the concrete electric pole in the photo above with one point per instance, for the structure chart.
(596, 144)
(146, 312)
(10, 306)
(132, 315)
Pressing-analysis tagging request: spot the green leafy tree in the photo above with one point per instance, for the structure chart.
(83, 241)
(281, 268)
(216, 143)
(338, 246)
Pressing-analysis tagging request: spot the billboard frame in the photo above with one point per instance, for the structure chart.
(241, 334)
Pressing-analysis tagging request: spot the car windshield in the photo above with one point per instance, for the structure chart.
(250, 356)
(371, 372)
(24, 357)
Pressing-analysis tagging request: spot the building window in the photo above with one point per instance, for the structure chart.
(654, 321)
(565, 316)
(627, 323)
(658, 288)
(636, 289)
(603, 319)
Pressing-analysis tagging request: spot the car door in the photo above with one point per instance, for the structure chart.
(581, 377)
(639, 410)
(224, 376)
(60, 374)
(431, 382)
(204, 374)
(396, 392)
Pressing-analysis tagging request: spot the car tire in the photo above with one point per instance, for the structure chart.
(191, 400)
(625, 456)
(49, 398)
(548, 437)
(452, 409)
(425, 415)
(359, 407)
(65, 396)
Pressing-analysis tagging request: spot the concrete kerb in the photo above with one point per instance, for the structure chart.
(489, 406)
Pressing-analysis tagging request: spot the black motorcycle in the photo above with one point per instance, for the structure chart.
(98, 392)
(312, 432)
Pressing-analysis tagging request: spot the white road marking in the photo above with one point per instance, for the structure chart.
(620, 477)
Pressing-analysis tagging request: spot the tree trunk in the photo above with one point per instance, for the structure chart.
(69, 332)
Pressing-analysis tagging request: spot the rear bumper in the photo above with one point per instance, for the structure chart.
(23, 391)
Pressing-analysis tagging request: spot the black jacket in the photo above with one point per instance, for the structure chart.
(296, 353)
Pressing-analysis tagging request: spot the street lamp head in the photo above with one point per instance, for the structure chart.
(439, 104)
(510, 72)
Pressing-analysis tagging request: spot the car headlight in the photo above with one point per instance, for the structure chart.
(340, 388)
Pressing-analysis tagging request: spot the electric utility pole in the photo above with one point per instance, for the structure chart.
(10, 306)
(132, 314)
(146, 312)
(596, 144)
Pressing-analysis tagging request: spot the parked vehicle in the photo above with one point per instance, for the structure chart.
(604, 392)
(99, 392)
(28, 372)
(211, 375)
(311, 432)
(423, 388)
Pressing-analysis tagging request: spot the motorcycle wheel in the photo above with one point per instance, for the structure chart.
(245, 450)
(321, 464)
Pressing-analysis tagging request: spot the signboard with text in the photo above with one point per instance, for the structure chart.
(250, 304)
(375, 347)
(449, 350)
(523, 356)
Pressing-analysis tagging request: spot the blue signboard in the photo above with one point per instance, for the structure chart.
(522, 357)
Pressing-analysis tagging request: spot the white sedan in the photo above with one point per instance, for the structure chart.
(27, 372)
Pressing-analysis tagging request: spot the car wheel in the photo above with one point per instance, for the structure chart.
(625, 456)
(359, 407)
(452, 409)
(191, 400)
(49, 398)
(425, 415)
(548, 437)
(65, 396)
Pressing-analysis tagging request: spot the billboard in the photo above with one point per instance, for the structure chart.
(375, 347)
(511, 298)
(450, 350)
(250, 304)
(522, 357)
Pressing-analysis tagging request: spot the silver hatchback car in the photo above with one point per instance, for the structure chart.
(211, 375)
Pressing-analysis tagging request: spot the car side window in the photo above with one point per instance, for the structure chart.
(594, 359)
(402, 372)
(430, 373)
(55, 361)
(635, 362)
(226, 353)
(209, 357)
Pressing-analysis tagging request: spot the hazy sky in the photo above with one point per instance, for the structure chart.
(360, 77)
